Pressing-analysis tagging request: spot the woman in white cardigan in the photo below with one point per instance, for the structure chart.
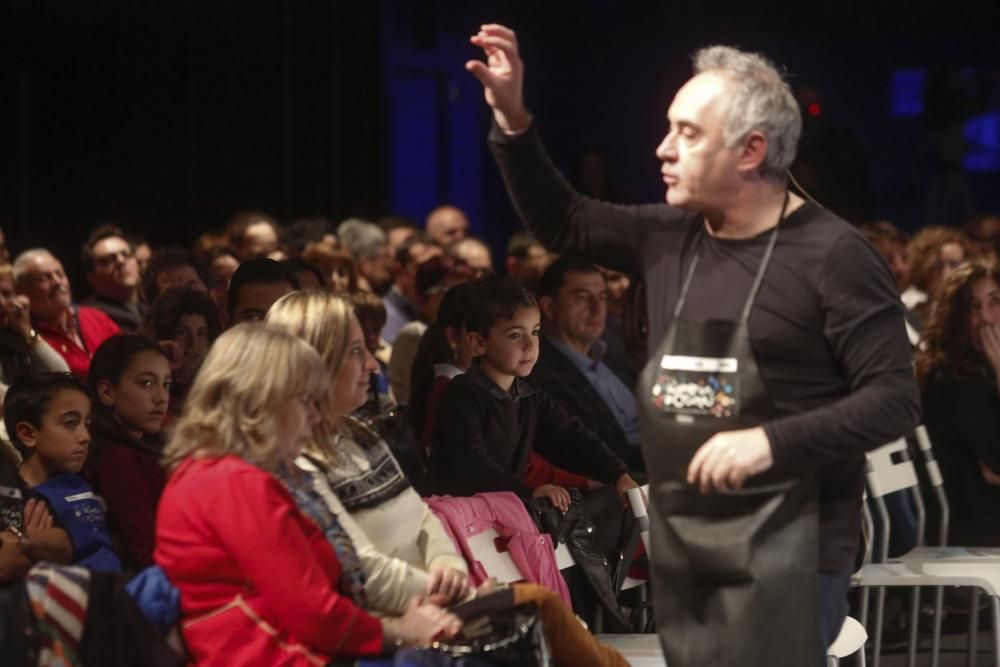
(403, 547)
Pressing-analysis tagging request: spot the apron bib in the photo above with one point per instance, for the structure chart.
(734, 574)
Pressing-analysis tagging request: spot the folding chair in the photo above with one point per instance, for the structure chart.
(889, 470)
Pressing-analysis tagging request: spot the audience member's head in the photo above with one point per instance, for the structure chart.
(221, 263)
(172, 267)
(256, 285)
(47, 416)
(573, 298)
(891, 243)
(367, 244)
(301, 233)
(328, 323)
(617, 284)
(397, 231)
(206, 244)
(110, 264)
(447, 224)
(473, 252)
(336, 264)
(130, 376)
(254, 234)
(142, 250)
(451, 323)
(983, 234)
(39, 276)
(934, 253)
(434, 278)
(15, 320)
(502, 329)
(526, 260)
(191, 320)
(370, 311)
(308, 275)
(240, 406)
(967, 303)
(414, 252)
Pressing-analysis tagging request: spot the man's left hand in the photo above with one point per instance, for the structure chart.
(726, 461)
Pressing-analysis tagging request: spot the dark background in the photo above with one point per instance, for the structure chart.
(169, 117)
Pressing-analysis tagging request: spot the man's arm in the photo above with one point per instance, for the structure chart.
(561, 218)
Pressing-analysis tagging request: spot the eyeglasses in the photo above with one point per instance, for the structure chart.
(110, 259)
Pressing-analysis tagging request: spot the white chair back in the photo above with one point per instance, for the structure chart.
(886, 475)
(639, 510)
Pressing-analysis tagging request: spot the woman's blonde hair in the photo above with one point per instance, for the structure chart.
(324, 321)
(250, 371)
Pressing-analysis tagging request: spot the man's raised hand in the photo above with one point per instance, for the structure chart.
(502, 76)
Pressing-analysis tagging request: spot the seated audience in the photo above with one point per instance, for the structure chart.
(405, 552)
(526, 260)
(22, 350)
(47, 417)
(572, 296)
(367, 244)
(434, 278)
(253, 234)
(72, 331)
(473, 252)
(983, 236)
(336, 264)
(130, 378)
(308, 275)
(617, 355)
(446, 224)
(401, 300)
(370, 311)
(300, 234)
(255, 286)
(490, 418)
(221, 263)
(227, 525)
(893, 245)
(172, 267)
(142, 250)
(934, 253)
(191, 321)
(398, 230)
(113, 273)
(959, 370)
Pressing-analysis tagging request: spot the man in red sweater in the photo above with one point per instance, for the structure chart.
(73, 331)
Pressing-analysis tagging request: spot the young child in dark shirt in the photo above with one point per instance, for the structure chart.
(489, 420)
(48, 421)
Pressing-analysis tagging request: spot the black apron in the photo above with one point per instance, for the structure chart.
(734, 574)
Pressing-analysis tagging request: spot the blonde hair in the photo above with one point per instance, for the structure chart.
(324, 321)
(250, 371)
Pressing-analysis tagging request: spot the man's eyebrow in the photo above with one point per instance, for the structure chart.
(71, 413)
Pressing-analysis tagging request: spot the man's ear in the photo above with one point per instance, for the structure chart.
(547, 305)
(106, 393)
(754, 151)
(477, 343)
(27, 434)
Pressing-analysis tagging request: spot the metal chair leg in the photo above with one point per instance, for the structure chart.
(938, 613)
(879, 618)
(832, 661)
(911, 653)
(995, 604)
(971, 657)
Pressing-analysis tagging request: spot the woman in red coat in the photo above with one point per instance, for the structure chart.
(260, 583)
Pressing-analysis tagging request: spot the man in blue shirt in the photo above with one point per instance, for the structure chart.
(573, 301)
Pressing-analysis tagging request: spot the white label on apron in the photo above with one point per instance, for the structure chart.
(697, 385)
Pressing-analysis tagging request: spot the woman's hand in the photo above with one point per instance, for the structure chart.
(422, 623)
(18, 313)
(557, 495)
(447, 584)
(989, 334)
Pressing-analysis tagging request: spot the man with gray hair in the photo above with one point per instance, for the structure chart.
(367, 244)
(779, 356)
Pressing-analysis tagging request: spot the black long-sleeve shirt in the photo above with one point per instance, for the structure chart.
(483, 434)
(826, 329)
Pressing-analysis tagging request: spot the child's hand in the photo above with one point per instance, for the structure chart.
(557, 495)
(36, 517)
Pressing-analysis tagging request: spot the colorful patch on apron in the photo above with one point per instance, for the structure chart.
(697, 385)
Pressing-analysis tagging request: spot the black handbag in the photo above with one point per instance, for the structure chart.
(497, 631)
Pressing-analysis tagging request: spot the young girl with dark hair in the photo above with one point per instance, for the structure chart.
(130, 377)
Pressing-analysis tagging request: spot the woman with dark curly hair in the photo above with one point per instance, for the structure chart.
(191, 320)
(959, 369)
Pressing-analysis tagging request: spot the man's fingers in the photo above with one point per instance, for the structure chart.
(478, 69)
(505, 46)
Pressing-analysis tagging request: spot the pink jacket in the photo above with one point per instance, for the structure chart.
(533, 553)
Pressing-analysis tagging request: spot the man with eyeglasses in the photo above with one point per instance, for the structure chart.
(113, 273)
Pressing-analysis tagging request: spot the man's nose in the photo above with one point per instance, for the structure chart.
(665, 151)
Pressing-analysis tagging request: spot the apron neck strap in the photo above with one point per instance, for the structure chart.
(758, 279)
